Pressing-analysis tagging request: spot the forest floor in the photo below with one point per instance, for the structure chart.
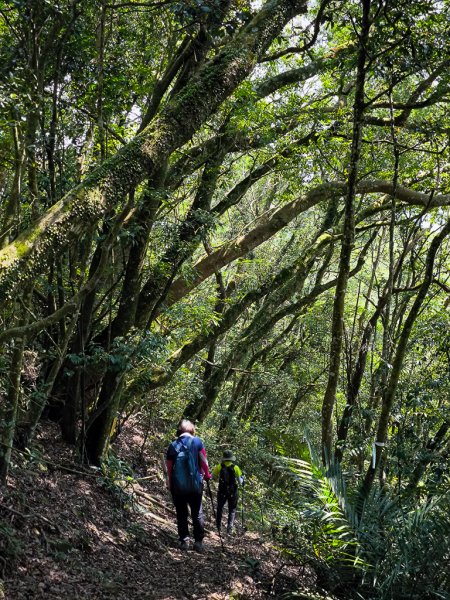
(69, 532)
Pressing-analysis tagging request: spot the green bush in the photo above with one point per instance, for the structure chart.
(117, 478)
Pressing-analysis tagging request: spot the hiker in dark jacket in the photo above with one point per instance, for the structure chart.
(187, 466)
(230, 476)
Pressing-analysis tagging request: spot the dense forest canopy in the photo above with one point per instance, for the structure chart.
(239, 212)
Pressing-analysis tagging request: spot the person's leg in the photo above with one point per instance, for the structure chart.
(221, 499)
(181, 508)
(232, 507)
(195, 503)
(198, 521)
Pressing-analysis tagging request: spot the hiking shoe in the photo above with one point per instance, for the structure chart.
(198, 547)
(183, 544)
(229, 530)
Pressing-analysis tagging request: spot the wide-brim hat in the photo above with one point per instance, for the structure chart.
(228, 455)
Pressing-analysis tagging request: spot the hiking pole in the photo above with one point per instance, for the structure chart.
(214, 514)
(242, 506)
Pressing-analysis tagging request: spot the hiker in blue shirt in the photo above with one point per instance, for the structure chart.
(187, 466)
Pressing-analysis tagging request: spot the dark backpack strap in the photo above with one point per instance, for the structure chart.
(224, 466)
(180, 442)
(177, 446)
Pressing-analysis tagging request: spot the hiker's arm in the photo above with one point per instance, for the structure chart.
(204, 467)
(169, 465)
(239, 475)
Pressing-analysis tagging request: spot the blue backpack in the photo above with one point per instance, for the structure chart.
(186, 478)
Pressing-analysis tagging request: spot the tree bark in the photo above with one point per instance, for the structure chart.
(9, 405)
(389, 395)
(27, 256)
(360, 365)
(162, 375)
(347, 242)
(431, 447)
(26, 430)
(274, 220)
(12, 205)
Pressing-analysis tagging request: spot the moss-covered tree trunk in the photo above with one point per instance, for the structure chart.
(94, 442)
(347, 240)
(12, 203)
(143, 157)
(100, 425)
(33, 415)
(8, 410)
(194, 103)
(9, 404)
(430, 452)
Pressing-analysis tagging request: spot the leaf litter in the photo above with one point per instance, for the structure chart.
(67, 533)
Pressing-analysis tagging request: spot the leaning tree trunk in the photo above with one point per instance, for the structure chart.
(389, 395)
(199, 407)
(8, 412)
(143, 157)
(347, 241)
(100, 425)
(12, 202)
(433, 445)
(26, 430)
(10, 404)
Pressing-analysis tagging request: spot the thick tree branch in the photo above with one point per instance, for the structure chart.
(27, 256)
(397, 363)
(410, 104)
(275, 219)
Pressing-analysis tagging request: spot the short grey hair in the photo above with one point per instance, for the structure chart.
(185, 426)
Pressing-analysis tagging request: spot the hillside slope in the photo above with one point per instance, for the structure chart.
(69, 532)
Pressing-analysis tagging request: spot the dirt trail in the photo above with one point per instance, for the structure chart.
(64, 534)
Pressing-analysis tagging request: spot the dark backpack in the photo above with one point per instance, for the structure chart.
(227, 480)
(186, 478)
